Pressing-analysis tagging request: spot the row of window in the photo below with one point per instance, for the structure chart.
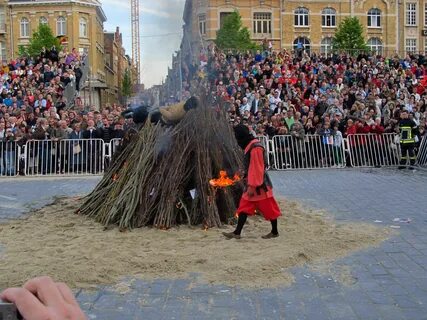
(374, 16)
(61, 26)
(262, 20)
(374, 44)
(329, 17)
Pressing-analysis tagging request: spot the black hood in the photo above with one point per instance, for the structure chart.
(243, 135)
(192, 103)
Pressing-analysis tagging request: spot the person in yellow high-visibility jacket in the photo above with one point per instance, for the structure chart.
(407, 129)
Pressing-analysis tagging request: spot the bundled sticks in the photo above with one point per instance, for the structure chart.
(161, 177)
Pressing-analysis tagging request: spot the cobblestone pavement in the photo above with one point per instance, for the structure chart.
(388, 282)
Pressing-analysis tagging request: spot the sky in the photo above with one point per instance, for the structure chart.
(160, 29)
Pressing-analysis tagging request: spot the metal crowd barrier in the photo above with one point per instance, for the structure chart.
(373, 150)
(310, 152)
(422, 153)
(267, 146)
(67, 157)
(92, 156)
(9, 158)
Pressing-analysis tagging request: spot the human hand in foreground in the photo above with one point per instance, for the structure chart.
(43, 299)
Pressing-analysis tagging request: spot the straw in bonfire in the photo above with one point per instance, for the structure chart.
(165, 175)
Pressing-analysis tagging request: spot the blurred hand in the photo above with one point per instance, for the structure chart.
(41, 298)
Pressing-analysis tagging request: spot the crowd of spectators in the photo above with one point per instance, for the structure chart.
(293, 93)
(271, 91)
(299, 93)
(33, 106)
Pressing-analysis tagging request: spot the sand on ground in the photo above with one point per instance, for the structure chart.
(74, 249)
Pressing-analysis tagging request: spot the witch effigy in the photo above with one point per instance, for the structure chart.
(180, 167)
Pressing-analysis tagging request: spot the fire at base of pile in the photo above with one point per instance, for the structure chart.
(161, 177)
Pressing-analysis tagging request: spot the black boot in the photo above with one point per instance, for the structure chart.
(274, 232)
(240, 223)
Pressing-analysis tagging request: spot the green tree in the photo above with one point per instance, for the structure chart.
(232, 34)
(349, 37)
(126, 85)
(42, 38)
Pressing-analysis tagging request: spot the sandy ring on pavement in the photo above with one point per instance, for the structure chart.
(74, 249)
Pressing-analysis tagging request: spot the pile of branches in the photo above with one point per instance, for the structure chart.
(161, 176)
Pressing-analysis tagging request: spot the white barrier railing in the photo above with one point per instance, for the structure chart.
(69, 157)
(9, 158)
(373, 150)
(92, 156)
(422, 153)
(114, 145)
(310, 152)
(267, 146)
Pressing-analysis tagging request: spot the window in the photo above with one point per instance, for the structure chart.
(61, 26)
(302, 43)
(2, 51)
(25, 28)
(301, 17)
(83, 28)
(262, 23)
(222, 16)
(374, 18)
(202, 24)
(329, 17)
(2, 19)
(411, 45)
(375, 45)
(43, 20)
(326, 45)
(411, 14)
(425, 14)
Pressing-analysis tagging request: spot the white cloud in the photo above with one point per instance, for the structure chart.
(162, 17)
(158, 12)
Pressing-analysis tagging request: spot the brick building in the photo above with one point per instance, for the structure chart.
(390, 26)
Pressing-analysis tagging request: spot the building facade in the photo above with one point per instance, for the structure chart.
(4, 25)
(413, 21)
(313, 23)
(116, 64)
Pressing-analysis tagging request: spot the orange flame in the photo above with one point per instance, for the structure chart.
(224, 180)
(115, 177)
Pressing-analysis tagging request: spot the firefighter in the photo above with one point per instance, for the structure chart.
(407, 129)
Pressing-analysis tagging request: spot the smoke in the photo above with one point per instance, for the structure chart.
(163, 144)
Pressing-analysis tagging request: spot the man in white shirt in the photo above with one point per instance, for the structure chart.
(245, 106)
(274, 99)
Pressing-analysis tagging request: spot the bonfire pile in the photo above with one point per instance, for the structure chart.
(165, 176)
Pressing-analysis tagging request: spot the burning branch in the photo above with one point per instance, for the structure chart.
(224, 180)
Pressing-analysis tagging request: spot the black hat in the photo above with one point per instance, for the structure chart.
(192, 103)
(243, 135)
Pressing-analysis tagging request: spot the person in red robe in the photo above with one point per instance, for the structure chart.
(258, 194)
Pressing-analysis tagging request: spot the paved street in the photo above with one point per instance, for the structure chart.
(388, 282)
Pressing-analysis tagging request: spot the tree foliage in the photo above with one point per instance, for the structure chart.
(232, 34)
(349, 37)
(126, 85)
(42, 38)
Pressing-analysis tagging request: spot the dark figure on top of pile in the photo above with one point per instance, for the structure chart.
(258, 194)
(169, 115)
